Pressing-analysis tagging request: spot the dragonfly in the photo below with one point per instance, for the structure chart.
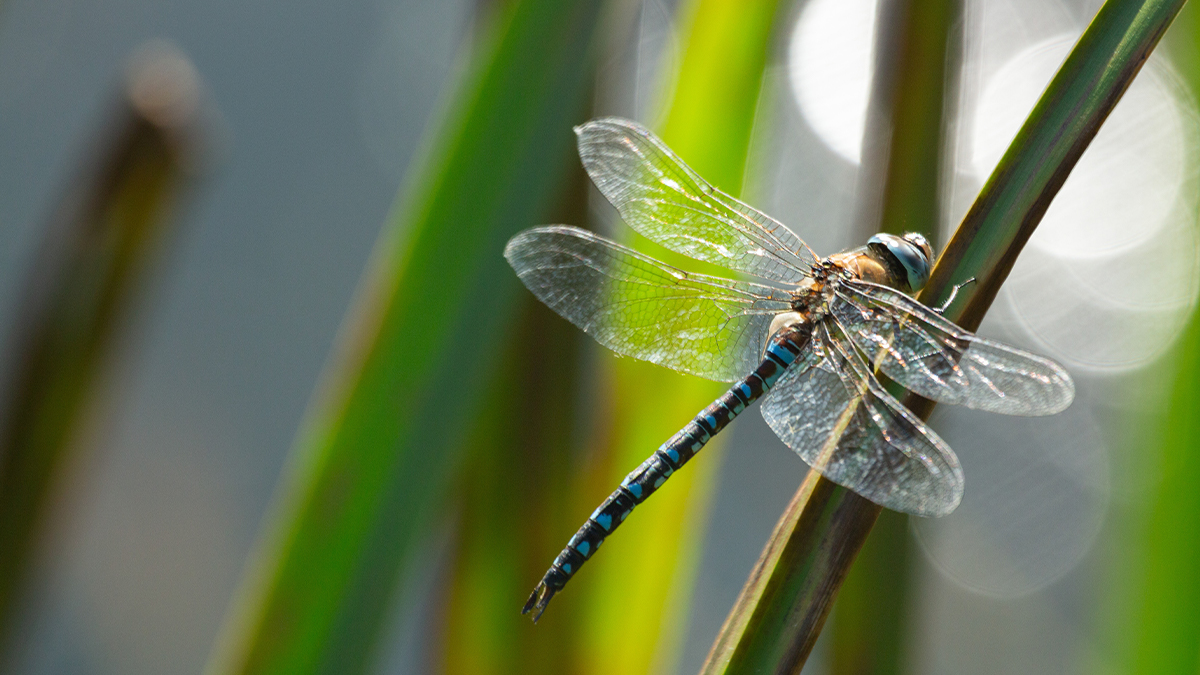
(805, 334)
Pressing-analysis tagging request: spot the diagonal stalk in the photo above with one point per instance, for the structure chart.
(780, 612)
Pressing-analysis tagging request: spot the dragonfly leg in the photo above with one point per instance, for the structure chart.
(953, 294)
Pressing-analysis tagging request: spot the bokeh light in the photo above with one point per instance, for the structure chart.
(1105, 285)
(1116, 246)
(829, 62)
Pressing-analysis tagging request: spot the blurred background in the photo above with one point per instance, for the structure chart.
(310, 137)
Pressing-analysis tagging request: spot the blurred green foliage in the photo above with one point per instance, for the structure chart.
(374, 464)
(1165, 622)
(1159, 583)
(515, 499)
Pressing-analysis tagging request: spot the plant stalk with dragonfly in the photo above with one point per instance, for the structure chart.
(822, 321)
(783, 606)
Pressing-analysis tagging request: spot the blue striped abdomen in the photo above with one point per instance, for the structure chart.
(781, 352)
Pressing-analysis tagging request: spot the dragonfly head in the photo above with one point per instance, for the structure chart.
(910, 257)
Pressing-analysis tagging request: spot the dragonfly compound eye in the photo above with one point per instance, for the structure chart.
(919, 240)
(907, 256)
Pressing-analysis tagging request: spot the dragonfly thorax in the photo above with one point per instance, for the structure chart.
(812, 295)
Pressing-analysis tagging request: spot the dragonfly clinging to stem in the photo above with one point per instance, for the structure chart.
(807, 336)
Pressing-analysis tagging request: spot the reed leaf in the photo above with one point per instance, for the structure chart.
(97, 246)
(784, 604)
(517, 493)
(374, 461)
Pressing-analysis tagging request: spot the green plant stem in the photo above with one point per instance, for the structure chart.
(784, 604)
(97, 247)
(375, 458)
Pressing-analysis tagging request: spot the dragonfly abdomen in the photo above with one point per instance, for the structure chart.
(781, 352)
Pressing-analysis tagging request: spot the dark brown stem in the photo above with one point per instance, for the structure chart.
(795, 581)
(96, 247)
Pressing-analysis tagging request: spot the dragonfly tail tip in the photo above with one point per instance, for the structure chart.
(538, 600)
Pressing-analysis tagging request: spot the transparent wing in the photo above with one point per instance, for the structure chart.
(640, 307)
(838, 418)
(664, 200)
(931, 356)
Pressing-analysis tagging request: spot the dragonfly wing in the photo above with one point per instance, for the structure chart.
(933, 357)
(640, 307)
(837, 417)
(667, 202)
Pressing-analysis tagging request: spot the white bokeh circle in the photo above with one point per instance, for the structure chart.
(1126, 183)
(1111, 274)
(1037, 494)
(829, 65)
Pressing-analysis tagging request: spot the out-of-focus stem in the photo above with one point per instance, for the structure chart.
(917, 47)
(96, 249)
(380, 446)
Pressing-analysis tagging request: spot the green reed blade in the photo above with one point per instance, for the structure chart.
(94, 258)
(374, 461)
(637, 589)
(784, 604)
(516, 501)
(516, 495)
(1165, 623)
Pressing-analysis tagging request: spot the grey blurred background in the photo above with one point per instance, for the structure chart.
(321, 107)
